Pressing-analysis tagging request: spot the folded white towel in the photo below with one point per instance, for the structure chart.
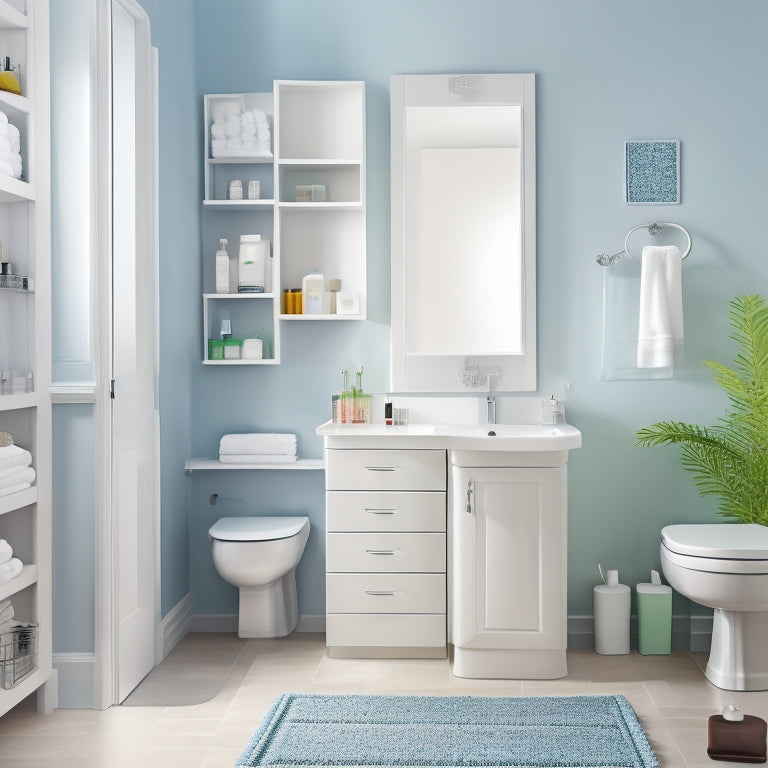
(23, 475)
(660, 334)
(218, 144)
(232, 126)
(258, 442)
(11, 569)
(257, 458)
(6, 551)
(14, 456)
(14, 489)
(3, 117)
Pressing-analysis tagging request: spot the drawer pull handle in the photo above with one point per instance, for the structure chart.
(380, 551)
(381, 592)
(381, 469)
(383, 511)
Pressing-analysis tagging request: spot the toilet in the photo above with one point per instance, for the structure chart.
(725, 566)
(259, 555)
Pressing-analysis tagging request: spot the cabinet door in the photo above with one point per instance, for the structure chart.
(509, 558)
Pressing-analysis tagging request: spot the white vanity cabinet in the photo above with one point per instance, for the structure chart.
(509, 568)
(386, 553)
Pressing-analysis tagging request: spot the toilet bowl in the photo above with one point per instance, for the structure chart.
(259, 555)
(725, 566)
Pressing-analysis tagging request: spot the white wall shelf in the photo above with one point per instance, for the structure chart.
(26, 578)
(25, 228)
(10, 18)
(18, 500)
(329, 235)
(207, 464)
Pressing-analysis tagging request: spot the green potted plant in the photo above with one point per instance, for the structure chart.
(730, 459)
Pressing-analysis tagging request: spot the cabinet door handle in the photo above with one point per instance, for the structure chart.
(381, 469)
(381, 592)
(469, 497)
(380, 511)
(380, 551)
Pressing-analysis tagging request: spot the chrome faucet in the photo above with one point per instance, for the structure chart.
(491, 399)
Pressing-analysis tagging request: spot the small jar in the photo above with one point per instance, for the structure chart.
(232, 349)
(235, 189)
(215, 349)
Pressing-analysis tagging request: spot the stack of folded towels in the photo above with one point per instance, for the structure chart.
(10, 152)
(239, 132)
(10, 566)
(257, 448)
(16, 474)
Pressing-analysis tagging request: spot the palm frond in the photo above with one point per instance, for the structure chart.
(730, 460)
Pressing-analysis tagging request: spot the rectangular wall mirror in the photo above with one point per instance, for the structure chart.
(463, 232)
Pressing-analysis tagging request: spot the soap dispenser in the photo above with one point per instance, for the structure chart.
(222, 267)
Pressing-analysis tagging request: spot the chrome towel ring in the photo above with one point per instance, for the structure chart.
(606, 260)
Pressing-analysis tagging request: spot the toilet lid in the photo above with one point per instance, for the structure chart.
(256, 528)
(736, 541)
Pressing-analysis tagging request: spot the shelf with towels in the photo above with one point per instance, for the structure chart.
(301, 464)
(26, 578)
(18, 500)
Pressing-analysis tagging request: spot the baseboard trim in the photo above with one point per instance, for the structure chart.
(227, 622)
(690, 633)
(76, 673)
(175, 624)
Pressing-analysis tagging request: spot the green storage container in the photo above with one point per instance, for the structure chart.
(654, 617)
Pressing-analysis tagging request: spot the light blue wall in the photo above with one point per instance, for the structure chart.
(606, 72)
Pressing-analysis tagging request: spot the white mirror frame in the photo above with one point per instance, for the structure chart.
(412, 372)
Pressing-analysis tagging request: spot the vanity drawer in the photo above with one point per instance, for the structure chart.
(385, 470)
(385, 552)
(385, 593)
(385, 511)
(406, 630)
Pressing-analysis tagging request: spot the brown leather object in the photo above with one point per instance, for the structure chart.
(738, 741)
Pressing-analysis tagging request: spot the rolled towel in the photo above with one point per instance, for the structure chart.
(23, 475)
(6, 551)
(218, 143)
(5, 167)
(11, 569)
(217, 131)
(258, 442)
(3, 117)
(14, 456)
(7, 491)
(257, 458)
(16, 165)
(232, 127)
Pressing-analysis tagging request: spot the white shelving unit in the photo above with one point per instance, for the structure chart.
(318, 137)
(192, 465)
(25, 516)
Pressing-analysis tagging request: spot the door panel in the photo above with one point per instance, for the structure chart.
(509, 558)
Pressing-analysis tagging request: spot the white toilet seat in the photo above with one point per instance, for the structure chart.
(715, 564)
(734, 541)
(256, 528)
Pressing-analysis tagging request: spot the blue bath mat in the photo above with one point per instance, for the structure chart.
(303, 729)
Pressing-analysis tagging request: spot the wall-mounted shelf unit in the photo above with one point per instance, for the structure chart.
(318, 138)
(25, 231)
(300, 464)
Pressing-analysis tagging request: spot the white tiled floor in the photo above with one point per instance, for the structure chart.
(669, 693)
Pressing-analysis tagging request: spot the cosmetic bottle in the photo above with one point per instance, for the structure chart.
(222, 267)
(611, 612)
(312, 287)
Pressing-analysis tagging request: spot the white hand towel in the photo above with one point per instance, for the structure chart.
(3, 117)
(660, 334)
(14, 456)
(258, 442)
(23, 475)
(6, 551)
(11, 569)
(257, 458)
(232, 127)
(218, 131)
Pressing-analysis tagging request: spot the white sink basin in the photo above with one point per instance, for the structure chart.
(511, 437)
